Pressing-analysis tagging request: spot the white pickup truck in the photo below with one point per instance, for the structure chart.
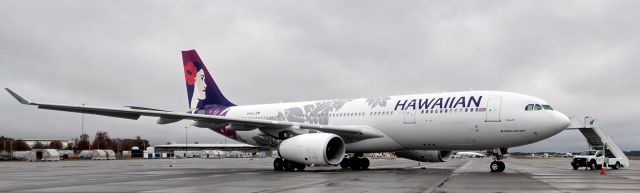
(594, 159)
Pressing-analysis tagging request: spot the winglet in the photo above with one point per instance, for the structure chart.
(18, 97)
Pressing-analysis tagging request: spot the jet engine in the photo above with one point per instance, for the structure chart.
(425, 155)
(314, 148)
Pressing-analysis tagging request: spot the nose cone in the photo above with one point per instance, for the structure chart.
(561, 121)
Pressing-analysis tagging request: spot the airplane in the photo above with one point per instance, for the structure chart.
(421, 127)
(470, 154)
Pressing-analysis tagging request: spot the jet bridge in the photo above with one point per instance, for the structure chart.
(597, 140)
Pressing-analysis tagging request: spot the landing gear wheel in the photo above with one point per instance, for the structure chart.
(502, 166)
(344, 164)
(289, 165)
(497, 166)
(365, 163)
(278, 164)
(300, 167)
(355, 163)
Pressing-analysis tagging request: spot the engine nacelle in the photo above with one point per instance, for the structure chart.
(314, 148)
(425, 155)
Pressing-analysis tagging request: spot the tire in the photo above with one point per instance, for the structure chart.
(494, 166)
(575, 167)
(300, 167)
(289, 165)
(365, 163)
(501, 166)
(355, 163)
(593, 165)
(344, 164)
(616, 166)
(278, 164)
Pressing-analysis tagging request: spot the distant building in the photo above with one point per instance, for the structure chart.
(245, 148)
(46, 142)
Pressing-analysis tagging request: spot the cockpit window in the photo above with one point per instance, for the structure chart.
(529, 107)
(537, 107)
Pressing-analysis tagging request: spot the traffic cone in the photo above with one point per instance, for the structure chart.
(602, 170)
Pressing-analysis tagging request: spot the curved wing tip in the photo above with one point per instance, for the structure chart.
(20, 99)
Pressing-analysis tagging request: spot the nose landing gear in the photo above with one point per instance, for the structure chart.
(497, 165)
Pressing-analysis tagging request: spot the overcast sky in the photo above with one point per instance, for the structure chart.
(580, 56)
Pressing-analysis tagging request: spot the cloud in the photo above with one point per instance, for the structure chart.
(579, 56)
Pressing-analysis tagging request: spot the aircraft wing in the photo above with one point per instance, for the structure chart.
(348, 132)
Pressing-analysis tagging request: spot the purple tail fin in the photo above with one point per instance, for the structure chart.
(201, 89)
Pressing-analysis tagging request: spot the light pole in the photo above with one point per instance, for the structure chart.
(82, 122)
(186, 141)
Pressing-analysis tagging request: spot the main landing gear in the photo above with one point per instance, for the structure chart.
(497, 165)
(355, 163)
(280, 164)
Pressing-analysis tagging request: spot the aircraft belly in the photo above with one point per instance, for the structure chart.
(436, 135)
(374, 145)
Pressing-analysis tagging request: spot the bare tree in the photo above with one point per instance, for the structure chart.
(83, 143)
(21, 145)
(39, 145)
(55, 145)
(101, 141)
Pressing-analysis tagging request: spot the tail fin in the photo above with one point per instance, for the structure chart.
(201, 89)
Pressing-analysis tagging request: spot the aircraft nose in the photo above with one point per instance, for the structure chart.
(561, 120)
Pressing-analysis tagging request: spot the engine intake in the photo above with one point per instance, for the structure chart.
(315, 148)
(425, 155)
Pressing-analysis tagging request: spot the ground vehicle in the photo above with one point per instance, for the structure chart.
(594, 159)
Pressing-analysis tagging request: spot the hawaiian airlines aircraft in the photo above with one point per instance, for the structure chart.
(423, 127)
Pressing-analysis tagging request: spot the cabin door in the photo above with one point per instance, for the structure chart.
(409, 116)
(493, 109)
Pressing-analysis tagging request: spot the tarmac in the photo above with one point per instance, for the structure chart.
(245, 175)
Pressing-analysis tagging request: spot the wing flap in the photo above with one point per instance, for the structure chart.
(90, 110)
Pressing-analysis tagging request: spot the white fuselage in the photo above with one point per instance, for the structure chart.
(481, 120)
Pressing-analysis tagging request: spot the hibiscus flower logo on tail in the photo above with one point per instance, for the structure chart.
(190, 72)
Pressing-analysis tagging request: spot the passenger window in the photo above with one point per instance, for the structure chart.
(529, 107)
(538, 107)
